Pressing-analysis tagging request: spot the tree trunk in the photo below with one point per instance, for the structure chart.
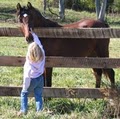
(103, 10)
(97, 4)
(44, 6)
(62, 9)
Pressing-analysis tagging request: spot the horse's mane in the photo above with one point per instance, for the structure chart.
(46, 22)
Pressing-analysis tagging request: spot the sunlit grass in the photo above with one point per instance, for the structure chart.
(72, 77)
(13, 46)
(114, 48)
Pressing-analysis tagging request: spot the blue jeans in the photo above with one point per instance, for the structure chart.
(36, 86)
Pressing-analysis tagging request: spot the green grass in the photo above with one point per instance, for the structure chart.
(14, 46)
(62, 77)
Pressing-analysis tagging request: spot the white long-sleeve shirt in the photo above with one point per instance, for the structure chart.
(33, 69)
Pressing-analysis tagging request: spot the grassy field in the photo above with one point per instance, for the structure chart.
(62, 77)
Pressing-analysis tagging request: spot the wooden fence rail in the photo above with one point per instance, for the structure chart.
(76, 62)
(65, 92)
(66, 33)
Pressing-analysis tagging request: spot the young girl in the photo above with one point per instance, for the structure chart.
(33, 75)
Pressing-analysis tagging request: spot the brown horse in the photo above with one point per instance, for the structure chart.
(72, 47)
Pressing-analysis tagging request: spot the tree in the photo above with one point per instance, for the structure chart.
(97, 4)
(103, 10)
(44, 5)
(62, 9)
(100, 10)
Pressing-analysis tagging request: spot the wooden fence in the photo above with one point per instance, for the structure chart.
(79, 62)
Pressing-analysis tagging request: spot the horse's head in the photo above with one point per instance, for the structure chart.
(29, 18)
(26, 20)
(23, 15)
(32, 15)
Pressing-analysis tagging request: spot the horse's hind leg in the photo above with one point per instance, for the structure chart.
(98, 76)
(48, 82)
(111, 75)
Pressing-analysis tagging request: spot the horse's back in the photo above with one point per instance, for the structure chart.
(87, 23)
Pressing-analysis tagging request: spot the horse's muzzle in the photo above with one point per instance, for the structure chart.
(29, 39)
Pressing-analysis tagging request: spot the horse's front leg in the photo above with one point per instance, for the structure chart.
(98, 75)
(48, 78)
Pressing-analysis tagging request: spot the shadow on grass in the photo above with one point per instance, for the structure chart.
(62, 106)
(7, 13)
(9, 10)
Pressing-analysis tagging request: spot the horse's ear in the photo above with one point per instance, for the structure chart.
(18, 6)
(29, 5)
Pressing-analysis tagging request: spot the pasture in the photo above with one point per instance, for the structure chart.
(62, 77)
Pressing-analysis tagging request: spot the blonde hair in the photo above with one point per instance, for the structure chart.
(35, 53)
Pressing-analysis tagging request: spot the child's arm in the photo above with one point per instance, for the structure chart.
(36, 39)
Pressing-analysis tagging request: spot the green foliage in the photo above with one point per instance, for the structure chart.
(117, 6)
(87, 5)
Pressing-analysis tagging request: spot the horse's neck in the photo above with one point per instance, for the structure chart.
(49, 23)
